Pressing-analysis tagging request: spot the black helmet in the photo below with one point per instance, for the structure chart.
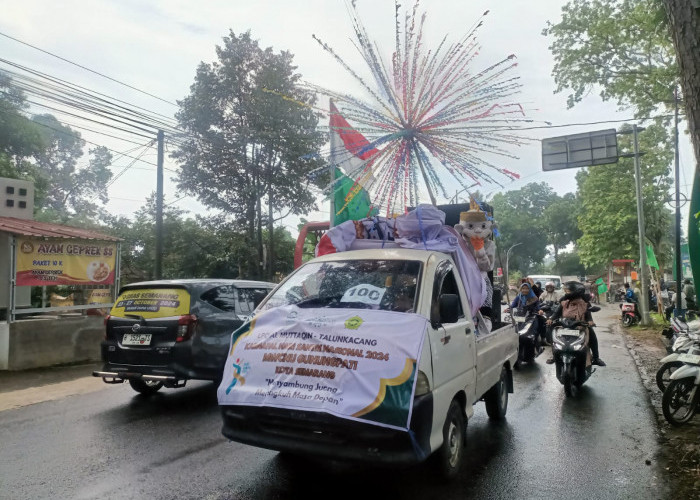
(574, 289)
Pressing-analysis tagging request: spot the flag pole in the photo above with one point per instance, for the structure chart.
(331, 166)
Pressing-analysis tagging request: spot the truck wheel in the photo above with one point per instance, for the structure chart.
(448, 458)
(496, 398)
(145, 387)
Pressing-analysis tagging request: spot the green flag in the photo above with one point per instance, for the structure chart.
(358, 208)
(602, 287)
(651, 258)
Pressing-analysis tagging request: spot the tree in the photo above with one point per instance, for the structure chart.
(19, 137)
(251, 142)
(621, 48)
(519, 217)
(68, 189)
(570, 265)
(560, 223)
(608, 217)
(684, 20)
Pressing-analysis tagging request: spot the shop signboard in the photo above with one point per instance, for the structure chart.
(65, 262)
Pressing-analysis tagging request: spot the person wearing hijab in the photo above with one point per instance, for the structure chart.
(528, 303)
(526, 299)
(574, 306)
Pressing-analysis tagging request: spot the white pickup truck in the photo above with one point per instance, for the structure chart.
(368, 356)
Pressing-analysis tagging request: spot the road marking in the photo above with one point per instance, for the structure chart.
(51, 392)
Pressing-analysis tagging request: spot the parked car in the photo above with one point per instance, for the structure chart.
(163, 333)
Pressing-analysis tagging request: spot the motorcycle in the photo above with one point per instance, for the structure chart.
(630, 316)
(529, 346)
(548, 309)
(682, 338)
(671, 363)
(572, 356)
(681, 397)
(619, 295)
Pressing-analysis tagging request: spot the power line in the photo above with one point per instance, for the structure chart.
(86, 68)
(74, 87)
(85, 140)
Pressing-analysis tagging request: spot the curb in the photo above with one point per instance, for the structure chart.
(649, 382)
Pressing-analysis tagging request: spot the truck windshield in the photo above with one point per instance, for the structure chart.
(389, 285)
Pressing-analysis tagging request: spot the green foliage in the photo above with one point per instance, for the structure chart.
(608, 217)
(46, 152)
(570, 265)
(192, 247)
(560, 222)
(69, 190)
(519, 217)
(252, 140)
(19, 137)
(621, 48)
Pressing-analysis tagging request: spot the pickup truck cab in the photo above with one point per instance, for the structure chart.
(323, 382)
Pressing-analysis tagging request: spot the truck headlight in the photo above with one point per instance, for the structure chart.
(422, 384)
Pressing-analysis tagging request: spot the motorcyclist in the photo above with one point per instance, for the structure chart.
(574, 306)
(550, 294)
(527, 302)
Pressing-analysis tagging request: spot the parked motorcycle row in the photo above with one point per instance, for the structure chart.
(678, 377)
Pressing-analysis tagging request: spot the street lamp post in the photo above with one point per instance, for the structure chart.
(454, 199)
(507, 283)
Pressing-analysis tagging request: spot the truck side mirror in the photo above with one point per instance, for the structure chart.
(448, 309)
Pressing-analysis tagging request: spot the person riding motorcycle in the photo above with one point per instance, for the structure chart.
(574, 306)
(527, 302)
(550, 294)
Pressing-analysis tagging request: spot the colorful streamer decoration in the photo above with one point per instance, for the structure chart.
(431, 120)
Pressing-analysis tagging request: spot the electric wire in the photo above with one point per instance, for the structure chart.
(86, 68)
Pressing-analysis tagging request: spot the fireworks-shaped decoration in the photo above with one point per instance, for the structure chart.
(430, 117)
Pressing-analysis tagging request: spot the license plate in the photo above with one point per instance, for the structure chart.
(690, 358)
(136, 339)
(519, 319)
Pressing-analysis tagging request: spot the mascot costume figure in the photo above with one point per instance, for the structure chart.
(476, 229)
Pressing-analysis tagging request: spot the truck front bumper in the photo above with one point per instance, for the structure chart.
(326, 436)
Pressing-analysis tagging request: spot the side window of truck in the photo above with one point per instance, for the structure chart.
(448, 284)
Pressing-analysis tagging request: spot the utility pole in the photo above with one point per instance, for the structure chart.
(679, 272)
(644, 299)
(158, 272)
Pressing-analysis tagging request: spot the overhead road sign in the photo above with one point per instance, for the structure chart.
(579, 150)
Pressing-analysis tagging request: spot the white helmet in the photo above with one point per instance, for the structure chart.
(549, 283)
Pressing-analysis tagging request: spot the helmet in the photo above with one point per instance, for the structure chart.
(549, 283)
(574, 289)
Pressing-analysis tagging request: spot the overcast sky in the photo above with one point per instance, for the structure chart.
(156, 46)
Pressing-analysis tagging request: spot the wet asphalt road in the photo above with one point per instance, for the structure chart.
(113, 444)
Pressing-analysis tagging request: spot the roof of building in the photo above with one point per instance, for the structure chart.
(24, 227)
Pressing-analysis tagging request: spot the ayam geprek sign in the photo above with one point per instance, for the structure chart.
(65, 262)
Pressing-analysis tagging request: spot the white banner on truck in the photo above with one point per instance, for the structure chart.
(353, 363)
